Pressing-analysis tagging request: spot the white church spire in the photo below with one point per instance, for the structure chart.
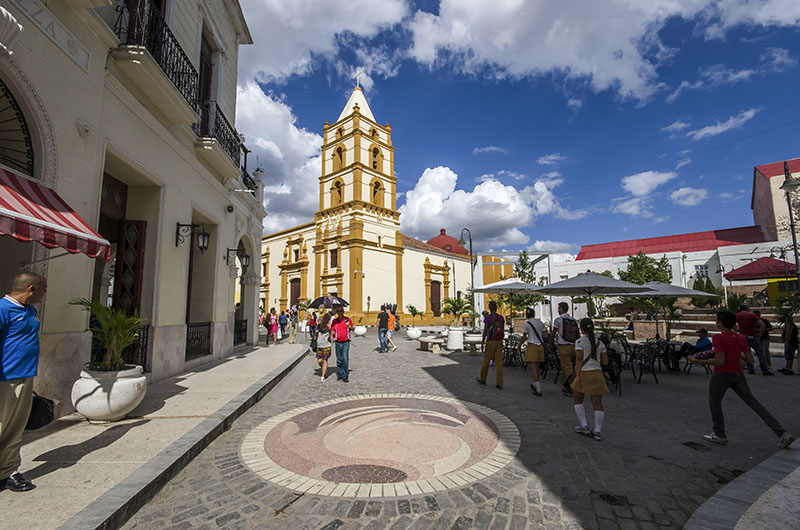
(357, 97)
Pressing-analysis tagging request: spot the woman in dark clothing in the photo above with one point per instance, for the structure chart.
(790, 342)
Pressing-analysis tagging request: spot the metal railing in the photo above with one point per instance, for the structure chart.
(239, 332)
(213, 124)
(249, 183)
(136, 353)
(139, 23)
(198, 339)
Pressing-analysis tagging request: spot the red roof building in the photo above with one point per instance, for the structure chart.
(776, 168)
(447, 243)
(694, 242)
(763, 268)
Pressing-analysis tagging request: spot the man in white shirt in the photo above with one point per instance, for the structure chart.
(565, 333)
(534, 333)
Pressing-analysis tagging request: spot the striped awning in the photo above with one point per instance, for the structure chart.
(32, 212)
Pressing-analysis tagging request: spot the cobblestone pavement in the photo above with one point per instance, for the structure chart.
(652, 469)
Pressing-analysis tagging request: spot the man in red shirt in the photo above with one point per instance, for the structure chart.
(751, 326)
(729, 347)
(341, 326)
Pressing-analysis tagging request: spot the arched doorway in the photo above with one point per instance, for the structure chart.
(246, 299)
(436, 298)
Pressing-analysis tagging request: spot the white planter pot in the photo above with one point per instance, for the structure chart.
(413, 333)
(108, 396)
(360, 331)
(455, 340)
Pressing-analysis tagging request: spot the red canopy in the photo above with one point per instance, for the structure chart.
(32, 212)
(763, 268)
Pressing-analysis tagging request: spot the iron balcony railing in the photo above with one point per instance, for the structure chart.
(198, 339)
(213, 124)
(139, 23)
(249, 183)
(136, 353)
(239, 332)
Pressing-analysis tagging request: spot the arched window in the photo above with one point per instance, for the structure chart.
(377, 192)
(377, 157)
(339, 132)
(373, 133)
(338, 159)
(16, 148)
(337, 193)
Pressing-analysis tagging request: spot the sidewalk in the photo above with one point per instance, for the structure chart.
(75, 463)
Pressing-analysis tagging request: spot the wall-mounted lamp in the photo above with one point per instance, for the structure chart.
(182, 231)
(363, 274)
(244, 258)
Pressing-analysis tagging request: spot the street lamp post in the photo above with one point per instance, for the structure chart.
(790, 186)
(721, 269)
(471, 269)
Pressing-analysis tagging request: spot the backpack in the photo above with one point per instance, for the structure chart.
(496, 331)
(570, 331)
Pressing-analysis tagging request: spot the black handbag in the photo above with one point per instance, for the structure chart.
(42, 412)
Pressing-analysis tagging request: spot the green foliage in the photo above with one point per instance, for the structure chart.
(414, 312)
(113, 328)
(707, 286)
(457, 307)
(790, 306)
(642, 269)
(523, 269)
(671, 313)
(734, 301)
(595, 304)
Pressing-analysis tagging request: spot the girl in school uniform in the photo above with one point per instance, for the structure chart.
(590, 356)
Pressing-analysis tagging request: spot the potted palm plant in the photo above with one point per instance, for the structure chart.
(412, 332)
(455, 335)
(109, 389)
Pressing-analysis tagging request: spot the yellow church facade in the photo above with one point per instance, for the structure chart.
(354, 248)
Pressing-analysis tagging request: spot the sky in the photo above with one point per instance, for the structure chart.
(537, 124)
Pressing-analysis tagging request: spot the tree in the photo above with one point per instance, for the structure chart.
(456, 307)
(642, 269)
(595, 304)
(524, 270)
(414, 312)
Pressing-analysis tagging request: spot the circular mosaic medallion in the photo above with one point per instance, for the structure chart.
(381, 445)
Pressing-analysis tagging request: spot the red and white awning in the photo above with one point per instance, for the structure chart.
(32, 212)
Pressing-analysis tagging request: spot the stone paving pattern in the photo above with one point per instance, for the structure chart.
(652, 459)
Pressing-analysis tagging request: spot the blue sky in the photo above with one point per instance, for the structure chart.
(537, 124)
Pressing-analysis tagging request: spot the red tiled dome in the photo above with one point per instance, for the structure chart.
(448, 243)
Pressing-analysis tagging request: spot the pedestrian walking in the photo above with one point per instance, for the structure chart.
(390, 330)
(272, 320)
(293, 324)
(565, 333)
(767, 327)
(751, 327)
(790, 343)
(590, 357)
(382, 323)
(729, 347)
(340, 333)
(323, 338)
(533, 334)
(312, 324)
(19, 353)
(282, 320)
(492, 345)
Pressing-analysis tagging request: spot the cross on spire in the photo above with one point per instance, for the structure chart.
(359, 73)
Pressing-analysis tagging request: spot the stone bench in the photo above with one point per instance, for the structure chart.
(471, 344)
(431, 344)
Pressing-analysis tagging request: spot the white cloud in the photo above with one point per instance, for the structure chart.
(676, 126)
(575, 103)
(734, 122)
(642, 184)
(639, 206)
(688, 196)
(287, 34)
(729, 13)
(288, 154)
(777, 59)
(682, 162)
(557, 247)
(551, 159)
(490, 149)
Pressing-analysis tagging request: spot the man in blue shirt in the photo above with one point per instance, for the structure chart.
(703, 344)
(19, 361)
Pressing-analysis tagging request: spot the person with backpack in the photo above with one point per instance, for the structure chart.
(382, 323)
(565, 334)
(533, 334)
(492, 345)
(729, 347)
(590, 357)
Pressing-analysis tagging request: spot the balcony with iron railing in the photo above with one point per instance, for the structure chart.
(154, 61)
(218, 143)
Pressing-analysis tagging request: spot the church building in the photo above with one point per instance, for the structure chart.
(353, 247)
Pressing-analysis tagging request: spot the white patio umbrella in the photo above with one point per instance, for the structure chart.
(666, 290)
(509, 286)
(591, 284)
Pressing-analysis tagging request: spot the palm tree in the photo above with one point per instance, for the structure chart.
(456, 307)
(414, 312)
(113, 329)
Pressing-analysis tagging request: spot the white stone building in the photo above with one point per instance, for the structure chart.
(126, 110)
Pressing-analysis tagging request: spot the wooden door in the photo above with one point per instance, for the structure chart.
(436, 298)
(129, 266)
(295, 292)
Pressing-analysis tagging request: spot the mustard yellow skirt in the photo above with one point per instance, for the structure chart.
(592, 383)
(534, 353)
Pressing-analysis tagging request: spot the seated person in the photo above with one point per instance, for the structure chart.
(703, 344)
(628, 326)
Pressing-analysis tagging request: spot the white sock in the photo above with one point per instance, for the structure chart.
(581, 413)
(598, 420)
(538, 386)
